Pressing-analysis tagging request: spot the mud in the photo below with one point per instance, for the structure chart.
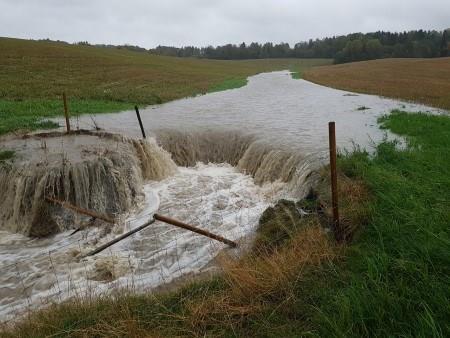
(97, 171)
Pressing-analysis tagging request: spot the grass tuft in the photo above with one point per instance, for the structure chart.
(228, 84)
(6, 155)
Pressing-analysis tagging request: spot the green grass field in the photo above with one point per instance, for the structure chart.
(33, 76)
(392, 280)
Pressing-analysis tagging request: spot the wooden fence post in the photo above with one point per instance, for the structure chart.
(140, 121)
(66, 112)
(334, 186)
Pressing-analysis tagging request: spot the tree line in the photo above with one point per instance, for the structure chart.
(347, 48)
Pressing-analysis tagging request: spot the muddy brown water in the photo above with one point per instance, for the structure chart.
(237, 152)
(273, 107)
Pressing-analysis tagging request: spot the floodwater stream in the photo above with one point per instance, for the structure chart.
(237, 152)
(273, 107)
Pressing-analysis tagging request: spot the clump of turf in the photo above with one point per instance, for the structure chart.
(362, 108)
(281, 222)
(6, 155)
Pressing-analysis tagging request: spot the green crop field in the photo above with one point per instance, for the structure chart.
(34, 74)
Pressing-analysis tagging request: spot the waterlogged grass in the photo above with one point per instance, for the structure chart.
(296, 74)
(32, 114)
(229, 84)
(360, 108)
(106, 80)
(395, 281)
(391, 280)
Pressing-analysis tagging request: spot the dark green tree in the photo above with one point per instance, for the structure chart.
(444, 44)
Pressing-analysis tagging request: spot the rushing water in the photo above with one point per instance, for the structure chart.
(274, 108)
(273, 129)
(216, 197)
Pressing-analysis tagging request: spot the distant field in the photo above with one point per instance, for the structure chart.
(34, 74)
(421, 80)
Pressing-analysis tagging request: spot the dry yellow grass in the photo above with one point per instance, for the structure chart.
(420, 80)
(271, 280)
(255, 279)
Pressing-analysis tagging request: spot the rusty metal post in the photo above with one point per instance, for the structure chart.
(140, 121)
(334, 186)
(179, 224)
(66, 112)
(167, 220)
(79, 210)
(118, 239)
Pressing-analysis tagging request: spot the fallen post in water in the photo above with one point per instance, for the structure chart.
(118, 239)
(167, 220)
(194, 229)
(86, 212)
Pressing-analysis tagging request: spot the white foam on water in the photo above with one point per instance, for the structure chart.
(285, 114)
(215, 197)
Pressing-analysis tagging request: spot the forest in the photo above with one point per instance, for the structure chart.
(346, 48)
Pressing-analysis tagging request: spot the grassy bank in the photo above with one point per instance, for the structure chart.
(395, 279)
(34, 75)
(391, 280)
(419, 80)
(31, 114)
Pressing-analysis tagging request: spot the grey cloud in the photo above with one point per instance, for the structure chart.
(203, 22)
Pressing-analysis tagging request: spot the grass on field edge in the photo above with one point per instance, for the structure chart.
(34, 114)
(98, 80)
(391, 279)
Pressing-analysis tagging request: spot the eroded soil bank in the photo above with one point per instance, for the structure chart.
(92, 170)
(128, 179)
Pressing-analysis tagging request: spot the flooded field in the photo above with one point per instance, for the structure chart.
(273, 107)
(225, 157)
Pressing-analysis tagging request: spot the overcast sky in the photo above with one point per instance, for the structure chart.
(148, 23)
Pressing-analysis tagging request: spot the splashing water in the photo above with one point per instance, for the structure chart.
(261, 142)
(212, 196)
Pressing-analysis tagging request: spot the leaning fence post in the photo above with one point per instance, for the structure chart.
(334, 187)
(140, 121)
(66, 112)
